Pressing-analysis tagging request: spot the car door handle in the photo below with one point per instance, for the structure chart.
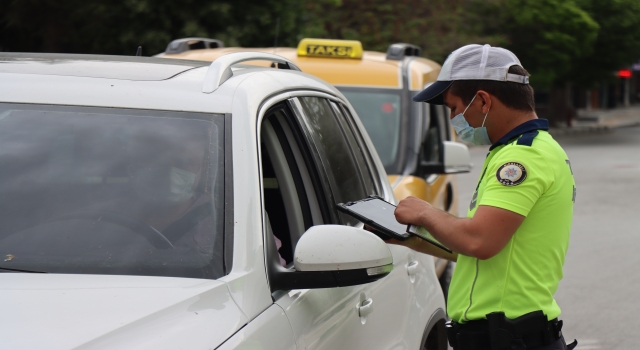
(365, 307)
(412, 268)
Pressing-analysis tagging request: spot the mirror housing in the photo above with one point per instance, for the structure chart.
(336, 248)
(454, 159)
(457, 158)
(329, 256)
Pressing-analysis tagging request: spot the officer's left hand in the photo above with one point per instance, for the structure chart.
(410, 211)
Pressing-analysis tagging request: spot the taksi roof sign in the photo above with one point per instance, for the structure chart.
(330, 48)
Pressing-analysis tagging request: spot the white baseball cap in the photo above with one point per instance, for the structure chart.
(472, 62)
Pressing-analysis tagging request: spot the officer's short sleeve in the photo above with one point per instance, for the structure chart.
(516, 178)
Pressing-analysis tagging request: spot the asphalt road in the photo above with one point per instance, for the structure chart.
(600, 292)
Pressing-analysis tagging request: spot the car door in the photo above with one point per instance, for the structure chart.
(440, 190)
(399, 323)
(294, 200)
(346, 166)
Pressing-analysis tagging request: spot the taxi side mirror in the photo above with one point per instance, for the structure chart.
(328, 256)
(453, 158)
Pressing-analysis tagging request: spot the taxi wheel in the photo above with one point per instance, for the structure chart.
(437, 338)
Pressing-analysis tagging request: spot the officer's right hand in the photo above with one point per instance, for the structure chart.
(410, 211)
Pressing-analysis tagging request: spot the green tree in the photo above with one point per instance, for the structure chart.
(617, 44)
(438, 26)
(548, 36)
(118, 27)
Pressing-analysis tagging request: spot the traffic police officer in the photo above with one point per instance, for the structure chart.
(513, 242)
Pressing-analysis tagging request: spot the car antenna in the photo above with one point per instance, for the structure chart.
(275, 40)
(139, 51)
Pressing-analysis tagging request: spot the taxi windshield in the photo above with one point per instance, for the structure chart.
(379, 111)
(111, 191)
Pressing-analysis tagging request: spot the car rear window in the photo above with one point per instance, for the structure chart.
(111, 191)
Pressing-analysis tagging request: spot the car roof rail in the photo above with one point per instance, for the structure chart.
(187, 44)
(398, 51)
(220, 69)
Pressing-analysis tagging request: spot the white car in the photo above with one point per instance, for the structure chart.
(150, 203)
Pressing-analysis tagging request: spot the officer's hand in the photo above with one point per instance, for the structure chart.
(410, 210)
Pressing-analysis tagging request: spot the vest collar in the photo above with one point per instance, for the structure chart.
(530, 125)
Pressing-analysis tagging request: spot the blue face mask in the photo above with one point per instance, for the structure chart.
(467, 133)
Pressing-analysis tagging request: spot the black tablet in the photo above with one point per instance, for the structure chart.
(424, 234)
(377, 213)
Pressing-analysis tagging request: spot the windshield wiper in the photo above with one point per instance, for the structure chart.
(19, 270)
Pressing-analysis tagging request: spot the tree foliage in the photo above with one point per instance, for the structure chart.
(118, 27)
(617, 44)
(438, 26)
(581, 41)
(548, 36)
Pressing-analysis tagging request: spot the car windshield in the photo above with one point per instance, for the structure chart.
(111, 191)
(379, 111)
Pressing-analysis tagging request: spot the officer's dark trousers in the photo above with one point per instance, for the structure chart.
(557, 345)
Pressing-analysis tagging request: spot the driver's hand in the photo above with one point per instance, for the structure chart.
(393, 241)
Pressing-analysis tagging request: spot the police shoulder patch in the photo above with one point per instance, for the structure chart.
(511, 174)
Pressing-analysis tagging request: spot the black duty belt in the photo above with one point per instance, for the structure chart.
(497, 332)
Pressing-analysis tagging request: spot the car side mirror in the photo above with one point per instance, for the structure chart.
(454, 159)
(329, 256)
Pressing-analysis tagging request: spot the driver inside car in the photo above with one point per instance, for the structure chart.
(169, 191)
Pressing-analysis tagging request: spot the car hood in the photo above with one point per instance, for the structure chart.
(117, 312)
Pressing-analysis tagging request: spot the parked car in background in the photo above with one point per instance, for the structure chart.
(150, 203)
(412, 139)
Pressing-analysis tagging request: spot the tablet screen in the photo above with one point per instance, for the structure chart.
(377, 213)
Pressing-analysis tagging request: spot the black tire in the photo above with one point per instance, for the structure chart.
(436, 339)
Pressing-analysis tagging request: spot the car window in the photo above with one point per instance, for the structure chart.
(360, 154)
(290, 201)
(111, 191)
(436, 133)
(446, 124)
(334, 152)
(380, 113)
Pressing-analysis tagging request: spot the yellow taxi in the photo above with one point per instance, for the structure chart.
(413, 140)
